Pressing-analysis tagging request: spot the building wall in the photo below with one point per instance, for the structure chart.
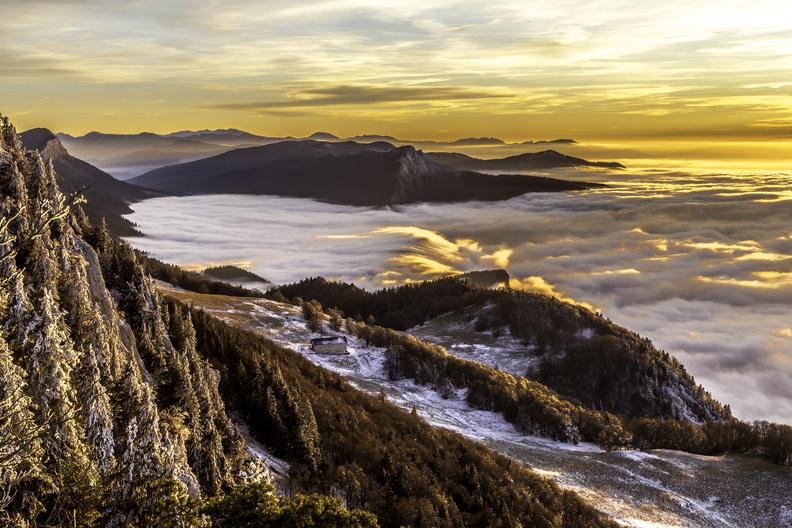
(330, 348)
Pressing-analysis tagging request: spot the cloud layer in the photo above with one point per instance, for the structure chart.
(700, 263)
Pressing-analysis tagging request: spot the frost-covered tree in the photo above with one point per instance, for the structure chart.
(143, 461)
(19, 312)
(96, 411)
(21, 453)
(50, 361)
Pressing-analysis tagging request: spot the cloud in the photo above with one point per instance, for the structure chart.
(16, 63)
(499, 258)
(359, 95)
(672, 255)
(540, 285)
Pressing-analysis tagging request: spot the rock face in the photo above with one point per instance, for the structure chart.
(45, 142)
(368, 174)
(106, 197)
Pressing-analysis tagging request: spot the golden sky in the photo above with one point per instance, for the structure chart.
(596, 70)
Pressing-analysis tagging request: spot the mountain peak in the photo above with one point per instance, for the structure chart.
(232, 132)
(43, 140)
(323, 136)
(479, 141)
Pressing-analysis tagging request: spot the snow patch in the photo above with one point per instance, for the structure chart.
(278, 468)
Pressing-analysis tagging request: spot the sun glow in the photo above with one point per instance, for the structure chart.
(513, 69)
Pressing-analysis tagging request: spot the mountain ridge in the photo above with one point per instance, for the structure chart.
(346, 172)
(138, 153)
(545, 159)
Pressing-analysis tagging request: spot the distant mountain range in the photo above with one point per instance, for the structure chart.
(106, 196)
(373, 174)
(126, 155)
(129, 155)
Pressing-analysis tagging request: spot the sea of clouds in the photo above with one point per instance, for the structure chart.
(699, 263)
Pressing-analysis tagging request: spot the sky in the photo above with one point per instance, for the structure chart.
(703, 72)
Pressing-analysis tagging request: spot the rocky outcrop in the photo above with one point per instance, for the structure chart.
(107, 198)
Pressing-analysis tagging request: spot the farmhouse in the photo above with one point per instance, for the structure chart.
(329, 345)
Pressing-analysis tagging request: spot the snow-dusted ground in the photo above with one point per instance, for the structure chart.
(278, 468)
(498, 349)
(646, 490)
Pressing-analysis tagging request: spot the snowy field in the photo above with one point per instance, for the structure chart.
(494, 348)
(646, 490)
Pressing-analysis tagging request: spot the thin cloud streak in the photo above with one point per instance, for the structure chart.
(356, 95)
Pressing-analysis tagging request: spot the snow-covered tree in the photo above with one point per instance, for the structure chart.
(96, 411)
(21, 453)
(19, 311)
(50, 361)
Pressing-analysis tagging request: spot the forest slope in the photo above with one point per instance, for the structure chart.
(634, 487)
(582, 355)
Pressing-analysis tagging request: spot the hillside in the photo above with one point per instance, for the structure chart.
(233, 274)
(106, 196)
(116, 406)
(485, 278)
(546, 159)
(109, 416)
(582, 358)
(351, 173)
(629, 377)
(621, 483)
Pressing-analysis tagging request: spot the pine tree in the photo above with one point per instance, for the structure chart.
(96, 411)
(144, 463)
(208, 456)
(308, 433)
(174, 441)
(40, 269)
(21, 453)
(83, 315)
(19, 312)
(50, 361)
